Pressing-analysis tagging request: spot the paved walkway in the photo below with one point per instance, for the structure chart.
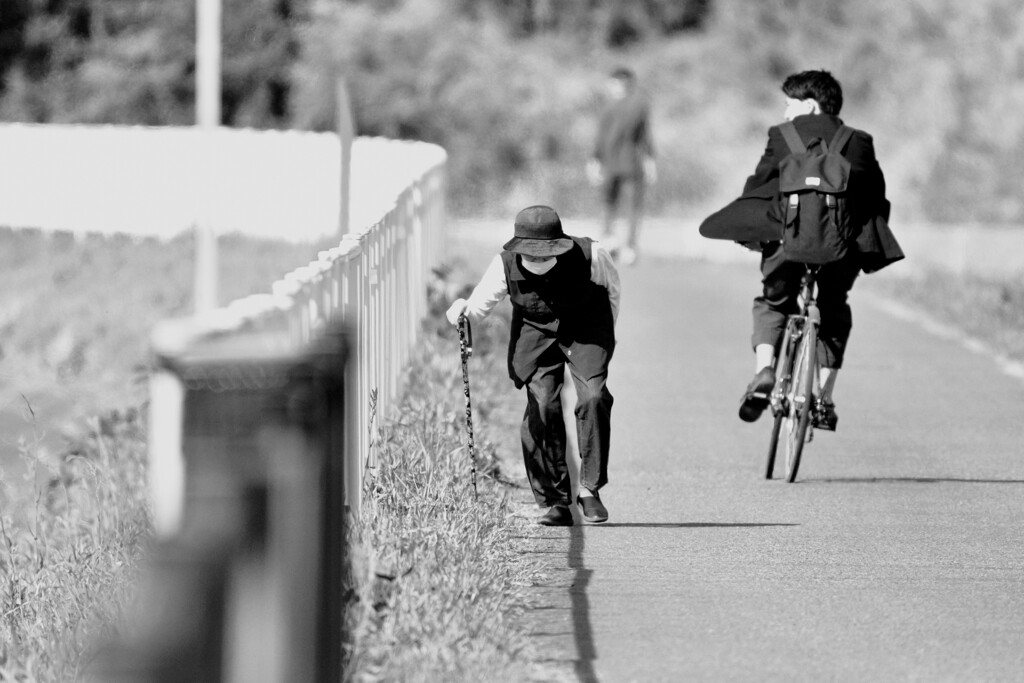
(897, 555)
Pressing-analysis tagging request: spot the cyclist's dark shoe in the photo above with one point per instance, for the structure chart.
(755, 400)
(825, 417)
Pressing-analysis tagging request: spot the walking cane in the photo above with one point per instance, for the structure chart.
(466, 350)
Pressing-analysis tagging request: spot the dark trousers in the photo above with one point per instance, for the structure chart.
(543, 431)
(613, 190)
(781, 285)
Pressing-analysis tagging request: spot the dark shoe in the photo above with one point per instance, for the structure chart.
(825, 417)
(755, 400)
(557, 515)
(592, 509)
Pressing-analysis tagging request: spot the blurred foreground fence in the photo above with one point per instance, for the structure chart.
(374, 283)
(261, 418)
(248, 586)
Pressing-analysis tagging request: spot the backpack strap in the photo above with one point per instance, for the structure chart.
(792, 138)
(842, 136)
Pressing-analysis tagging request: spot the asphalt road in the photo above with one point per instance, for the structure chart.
(897, 555)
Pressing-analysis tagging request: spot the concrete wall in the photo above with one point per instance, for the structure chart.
(976, 250)
(995, 252)
(985, 251)
(285, 184)
(162, 181)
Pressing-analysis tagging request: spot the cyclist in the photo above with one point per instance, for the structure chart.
(813, 102)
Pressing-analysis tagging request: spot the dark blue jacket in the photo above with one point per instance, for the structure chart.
(755, 217)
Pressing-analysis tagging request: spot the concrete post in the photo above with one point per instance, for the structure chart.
(346, 133)
(208, 92)
(208, 51)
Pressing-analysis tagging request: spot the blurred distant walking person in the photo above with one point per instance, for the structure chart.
(623, 156)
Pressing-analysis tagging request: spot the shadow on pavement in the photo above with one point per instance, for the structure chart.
(693, 524)
(586, 653)
(909, 480)
(583, 636)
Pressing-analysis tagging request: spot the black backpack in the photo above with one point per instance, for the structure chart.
(813, 180)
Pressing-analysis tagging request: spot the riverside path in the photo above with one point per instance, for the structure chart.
(896, 556)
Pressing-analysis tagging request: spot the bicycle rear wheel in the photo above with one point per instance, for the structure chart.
(798, 417)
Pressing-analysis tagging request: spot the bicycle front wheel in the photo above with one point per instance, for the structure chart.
(783, 369)
(798, 418)
(773, 445)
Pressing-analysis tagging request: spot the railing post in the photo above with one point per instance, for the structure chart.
(208, 92)
(347, 270)
(248, 588)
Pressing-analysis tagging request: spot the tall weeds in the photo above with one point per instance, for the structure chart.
(439, 579)
(70, 544)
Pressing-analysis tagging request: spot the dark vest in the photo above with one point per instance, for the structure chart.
(562, 307)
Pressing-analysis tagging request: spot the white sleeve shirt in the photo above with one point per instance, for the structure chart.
(492, 287)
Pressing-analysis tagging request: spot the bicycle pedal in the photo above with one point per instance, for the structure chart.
(823, 421)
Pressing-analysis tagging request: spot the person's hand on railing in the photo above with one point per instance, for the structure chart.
(455, 310)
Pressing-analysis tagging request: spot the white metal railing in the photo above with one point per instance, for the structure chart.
(374, 281)
(260, 420)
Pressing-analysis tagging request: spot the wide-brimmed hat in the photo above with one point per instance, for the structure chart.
(539, 233)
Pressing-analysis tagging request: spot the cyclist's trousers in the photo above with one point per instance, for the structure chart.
(781, 285)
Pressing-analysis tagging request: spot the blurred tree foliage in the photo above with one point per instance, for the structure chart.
(512, 87)
(133, 61)
(509, 87)
(936, 81)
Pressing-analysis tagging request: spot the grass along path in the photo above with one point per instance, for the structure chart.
(75, 316)
(439, 580)
(988, 309)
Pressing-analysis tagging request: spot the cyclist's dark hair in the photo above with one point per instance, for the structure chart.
(820, 86)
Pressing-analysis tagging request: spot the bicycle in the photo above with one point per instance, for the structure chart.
(793, 398)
